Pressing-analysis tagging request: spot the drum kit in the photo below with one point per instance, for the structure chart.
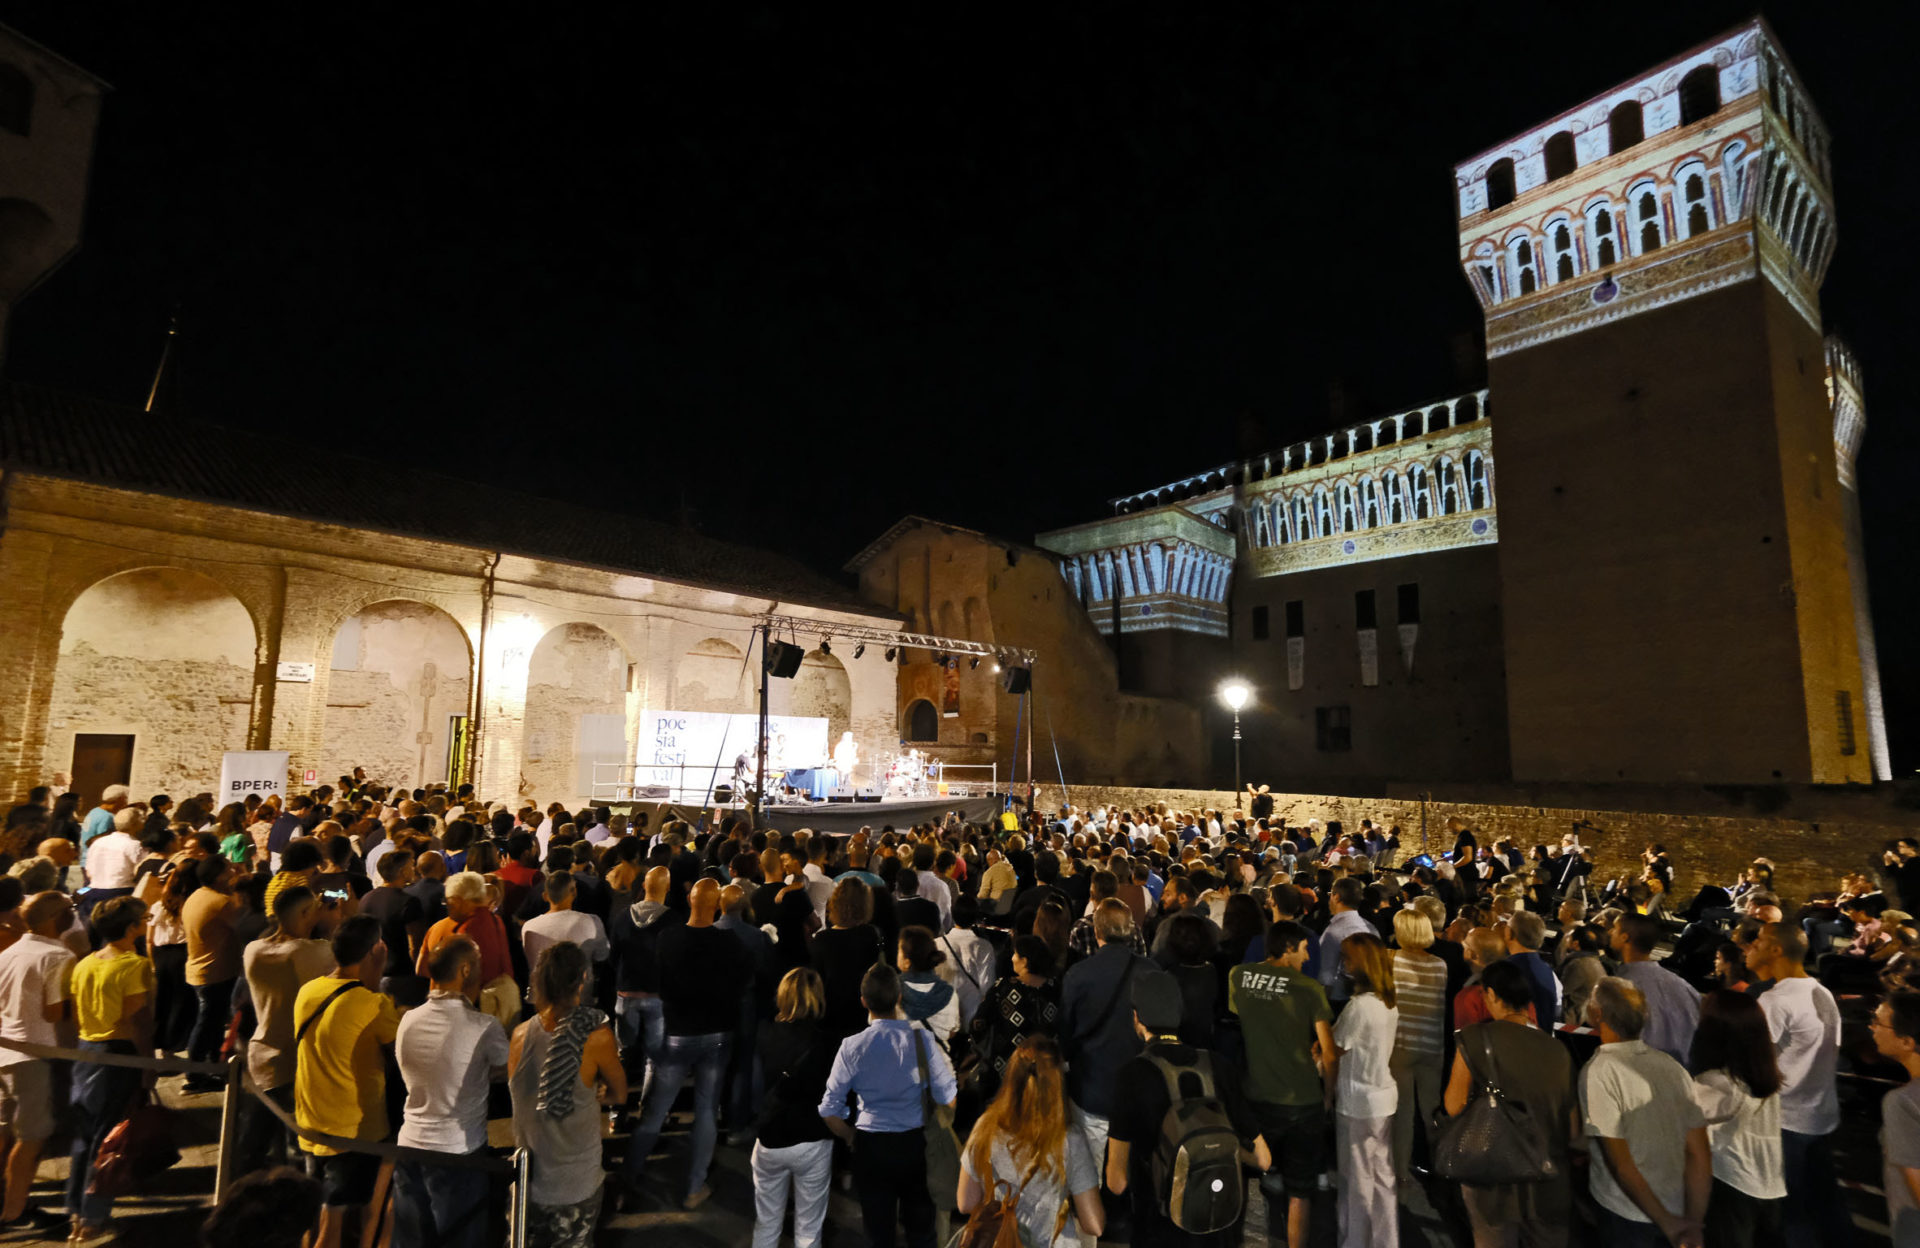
(910, 775)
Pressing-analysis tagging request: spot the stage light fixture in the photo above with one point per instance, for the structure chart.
(891, 651)
(859, 649)
(826, 645)
(973, 663)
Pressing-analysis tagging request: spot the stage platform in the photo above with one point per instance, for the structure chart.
(839, 818)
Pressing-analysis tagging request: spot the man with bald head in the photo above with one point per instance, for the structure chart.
(640, 1023)
(704, 970)
(35, 972)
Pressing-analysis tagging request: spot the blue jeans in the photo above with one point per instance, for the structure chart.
(438, 1206)
(101, 1097)
(641, 1022)
(705, 1058)
(210, 1021)
(1816, 1214)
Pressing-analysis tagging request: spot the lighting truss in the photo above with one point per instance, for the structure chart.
(794, 626)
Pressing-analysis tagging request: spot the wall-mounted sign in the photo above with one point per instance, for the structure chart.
(252, 771)
(294, 673)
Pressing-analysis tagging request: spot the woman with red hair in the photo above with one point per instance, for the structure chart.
(1021, 1148)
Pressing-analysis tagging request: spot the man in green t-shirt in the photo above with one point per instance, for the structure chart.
(1288, 1027)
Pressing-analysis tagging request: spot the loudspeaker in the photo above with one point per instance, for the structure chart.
(723, 795)
(867, 795)
(783, 659)
(1017, 680)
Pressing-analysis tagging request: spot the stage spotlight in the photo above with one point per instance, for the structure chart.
(891, 651)
(859, 649)
(826, 645)
(973, 663)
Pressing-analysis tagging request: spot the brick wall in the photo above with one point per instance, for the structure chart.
(183, 715)
(1809, 855)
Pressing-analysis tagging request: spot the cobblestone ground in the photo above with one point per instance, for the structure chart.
(169, 1213)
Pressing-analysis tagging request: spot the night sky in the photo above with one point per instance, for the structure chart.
(787, 276)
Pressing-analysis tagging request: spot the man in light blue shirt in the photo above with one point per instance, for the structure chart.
(99, 820)
(1344, 902)
(879, 1071)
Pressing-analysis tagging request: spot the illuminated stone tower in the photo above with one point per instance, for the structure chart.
(1675, 577)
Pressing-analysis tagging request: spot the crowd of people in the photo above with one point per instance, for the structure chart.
(1120, 1024)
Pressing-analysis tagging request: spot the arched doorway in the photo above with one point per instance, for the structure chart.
(714, 676)
(398, 694)
(154, 682)
(576, 712)
(923, 722)
(821, 690)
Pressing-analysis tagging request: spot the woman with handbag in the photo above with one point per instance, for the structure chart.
(112, 996)
(793, 1149)
(1531, 1072)
(1022, 1163)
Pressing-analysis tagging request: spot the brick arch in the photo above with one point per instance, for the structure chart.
(390, 711)
(74, 577)
(577, 669)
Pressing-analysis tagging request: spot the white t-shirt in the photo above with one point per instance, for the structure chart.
(555, 926)
(1744, 1132)
(111, 860)
(35, 972)
(1806, 1028)
(447, 1052)
(1638, 1094)
(1364, 1035)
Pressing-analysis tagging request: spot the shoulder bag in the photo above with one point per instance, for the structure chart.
(943, 1146)
(1495, 1139)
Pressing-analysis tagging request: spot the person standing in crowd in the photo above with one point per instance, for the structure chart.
(470, 914)
(1653, 1171)
(701, 1010)
(636, 1006)
(1141, 1102)
(1736, 1083)
(925, 997)
(341, 1022)
(877, 1070)
(1022, 1141)
(1343, 902)
(562, 1064)
(113, 860)
(1536, 1071)
(448, 1053)
(843, 951)
(112, 989)
(102, 818)
(1025, 1003)
(1896, 1035)
(1419, 1046)
(213, 961)
(1526, 933)
(35, 996)
(1805, 1023)
(1673, 1005)
(402, 925)
(284, 960)
(971, 957)
(1096, 1033)
(1365, 1095)
(793, 1150)
(1285, 1019)
(563, 922)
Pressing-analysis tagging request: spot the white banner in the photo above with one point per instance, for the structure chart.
(695, 750)
(1369, 657)
(252, 771)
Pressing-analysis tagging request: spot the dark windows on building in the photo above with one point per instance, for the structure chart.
(1560, 158)
(1625, 127)
(1296, 618)
(16, 100)
(1499, 184)
(1699, 95)
(1648, 208)
(1409, 603)
(923, 721)
(1260, 627)
(1363, 613)
(1843, 713)
(1333, 729)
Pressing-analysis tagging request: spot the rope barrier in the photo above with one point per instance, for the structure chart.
(169, 1065)
(378, 1148)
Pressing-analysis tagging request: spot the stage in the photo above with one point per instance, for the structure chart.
(838, 818)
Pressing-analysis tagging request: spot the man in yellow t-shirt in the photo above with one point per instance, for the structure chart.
(111, 990)
(342, 1021)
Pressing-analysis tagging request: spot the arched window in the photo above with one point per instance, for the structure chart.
(1600, 226)
(1449, 487)
(1646, 212)
(1422, 500)
(1499, 184)
(1477, 494)
(1370, 507)
(1560, 240)
(1624, 127)
(1560, 158)
(1396, 497)
(1524, 277)
(16, 100)
(1466, 410)
(1276, 516)
(1349, 519)
(1699, 94)
(1322, 513)
(923, 722)
(1302, 530)
(1693, 194)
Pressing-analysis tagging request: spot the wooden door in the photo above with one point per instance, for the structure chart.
(100, 759)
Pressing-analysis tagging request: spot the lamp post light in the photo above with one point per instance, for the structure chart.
(1234, 694)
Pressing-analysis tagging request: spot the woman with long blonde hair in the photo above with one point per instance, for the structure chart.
(1365, 1095)
(1021, 1146)
(793, 1151)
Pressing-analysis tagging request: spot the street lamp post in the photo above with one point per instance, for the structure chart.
(1234, 694)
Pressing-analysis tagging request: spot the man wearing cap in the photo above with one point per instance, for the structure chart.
(1142, 1102)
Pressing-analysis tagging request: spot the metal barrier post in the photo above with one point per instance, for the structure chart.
(230, 1103)
(517, 1208)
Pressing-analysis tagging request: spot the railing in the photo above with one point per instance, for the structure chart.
(971, 784)
(227, 1166)
(624, 782)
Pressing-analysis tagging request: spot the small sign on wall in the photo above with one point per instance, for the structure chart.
(312, 775)
(294, 673)
(252, 771)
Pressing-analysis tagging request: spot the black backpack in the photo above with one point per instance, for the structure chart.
(1196, 1161)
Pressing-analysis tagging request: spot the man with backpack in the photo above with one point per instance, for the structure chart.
(1096, 1035)
(1180, 1125)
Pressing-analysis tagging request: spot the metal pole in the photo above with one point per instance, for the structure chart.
(517, 1237)
(223, 1175)
(760, 772)
(1236, 761)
